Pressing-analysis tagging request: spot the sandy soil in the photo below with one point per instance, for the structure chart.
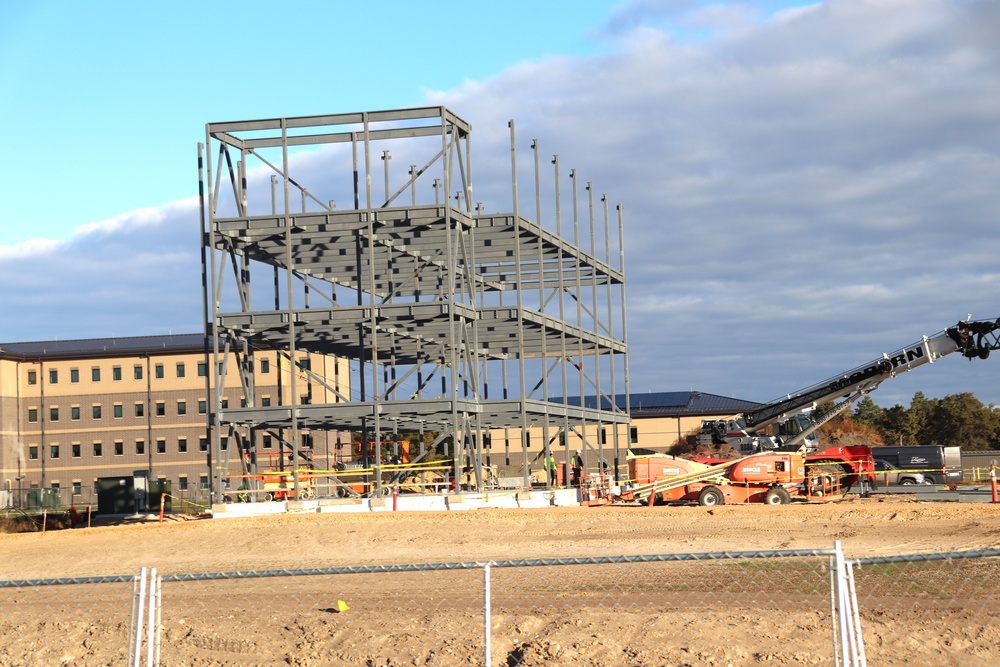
(644, 614)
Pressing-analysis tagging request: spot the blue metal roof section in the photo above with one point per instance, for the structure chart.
(104, 347)
(670, 403)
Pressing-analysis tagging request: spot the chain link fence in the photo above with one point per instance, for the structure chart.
(771, 607)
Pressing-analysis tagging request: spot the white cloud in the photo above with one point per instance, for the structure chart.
(801, 192)
(136, 274)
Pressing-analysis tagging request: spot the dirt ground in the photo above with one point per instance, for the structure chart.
(645, 614)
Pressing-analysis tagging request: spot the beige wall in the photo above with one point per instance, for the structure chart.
(47, 452)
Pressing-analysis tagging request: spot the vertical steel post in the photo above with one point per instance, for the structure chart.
(621, 267)
(208, 318)
(290, 285)
(519, 294)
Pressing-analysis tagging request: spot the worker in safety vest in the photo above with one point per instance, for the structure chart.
(576, 463)
(550, 468)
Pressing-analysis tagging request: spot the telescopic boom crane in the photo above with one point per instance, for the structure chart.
(974, 339)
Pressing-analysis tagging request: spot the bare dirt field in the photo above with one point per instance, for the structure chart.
(643, 614)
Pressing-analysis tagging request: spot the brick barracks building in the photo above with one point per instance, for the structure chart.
(74, 411)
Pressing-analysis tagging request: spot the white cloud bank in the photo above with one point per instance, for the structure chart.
(801, 194)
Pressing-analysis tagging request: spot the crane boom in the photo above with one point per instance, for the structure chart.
(972, 338)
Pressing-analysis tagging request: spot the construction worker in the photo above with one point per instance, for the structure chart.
(550, 468)
(576, 463)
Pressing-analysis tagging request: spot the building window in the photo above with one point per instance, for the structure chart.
(74, 375)
(243, 401)
(116, 373)
(77, 488)
(633, 435)
(202, 406)
(32, 415)
(140, 409)
(119, 411)
(140, 446)
(265, 401)
(75, 447)
(305, 364)
(202, 369)
(182, 483)
(203, 482)
(307, 440)
(32, 377)
(224, 443)
(97, 411)
(225, 403)
(266, 442)
(602, 436)
(74, 413)
(54, 414)
(304, 399)
(119, 448)
(182, 445)
(54, 451)
(159, 371)
(203, 444)
(161, 409)
(182, 407)
(137, 372)
(98, 449)
(265, 366)
(33, 452)
(161, 446)
(180, 369)
(53, 376)
(95, 374)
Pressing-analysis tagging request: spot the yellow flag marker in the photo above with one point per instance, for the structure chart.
(341, 606)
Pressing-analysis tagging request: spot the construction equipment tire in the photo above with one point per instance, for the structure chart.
(711, 496)
(777, 496)
(268, 497)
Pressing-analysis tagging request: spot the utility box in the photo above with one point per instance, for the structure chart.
(159, 488)
(43, 499)
(115, 495)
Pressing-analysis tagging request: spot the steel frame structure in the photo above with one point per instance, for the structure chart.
(414, 290)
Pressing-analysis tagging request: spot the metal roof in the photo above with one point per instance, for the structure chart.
(104, 347)
(671, 403)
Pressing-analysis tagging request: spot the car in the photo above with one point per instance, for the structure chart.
(887, 473)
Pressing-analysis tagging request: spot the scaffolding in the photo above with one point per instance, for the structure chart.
(427, 297)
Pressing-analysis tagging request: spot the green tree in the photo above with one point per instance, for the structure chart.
(962, 419)
(897, 426)
(921, 419)
(868, 412)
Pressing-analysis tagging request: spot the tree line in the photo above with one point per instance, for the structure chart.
(958, 419)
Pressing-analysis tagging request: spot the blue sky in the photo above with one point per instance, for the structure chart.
(109, 98)
(806, 185)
